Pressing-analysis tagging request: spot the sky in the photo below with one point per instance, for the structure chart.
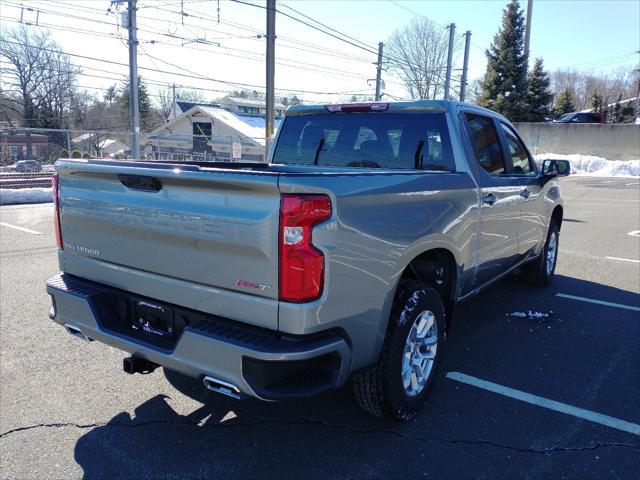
(196, 50)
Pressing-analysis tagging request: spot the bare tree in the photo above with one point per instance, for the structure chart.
(418, 54)
(39, 73)
(164, 99)
(583, 86)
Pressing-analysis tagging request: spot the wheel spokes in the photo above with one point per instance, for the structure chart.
(419, 353)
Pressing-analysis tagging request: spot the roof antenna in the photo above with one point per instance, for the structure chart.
(218, 13)
(182, 10)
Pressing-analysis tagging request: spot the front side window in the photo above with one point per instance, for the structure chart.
(374, 140)
(485, 143)
(519, 155)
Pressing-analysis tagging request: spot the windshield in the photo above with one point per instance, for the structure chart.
(567, 117)
(374, 140)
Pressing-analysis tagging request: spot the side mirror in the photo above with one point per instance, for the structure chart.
(556, 168)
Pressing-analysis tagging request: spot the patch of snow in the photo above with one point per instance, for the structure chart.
(246, 126)
(530, 315)
(595, 166)
(12, 196)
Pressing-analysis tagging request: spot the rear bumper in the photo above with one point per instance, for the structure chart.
(259, 362)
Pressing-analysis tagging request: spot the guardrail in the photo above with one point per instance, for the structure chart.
(25, 180)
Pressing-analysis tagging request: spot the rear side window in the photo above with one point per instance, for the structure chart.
(519, 155)
(374, 140)
(485, 143)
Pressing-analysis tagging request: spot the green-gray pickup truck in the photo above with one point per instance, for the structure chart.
(339, 259)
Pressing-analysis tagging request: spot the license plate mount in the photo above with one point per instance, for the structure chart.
(153, 318)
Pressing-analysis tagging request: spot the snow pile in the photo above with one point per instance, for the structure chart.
(11, 196)
(530, 315)
(596, 166)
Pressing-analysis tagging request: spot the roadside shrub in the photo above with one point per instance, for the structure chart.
(64, 153)
(86, 155)
(76, 154)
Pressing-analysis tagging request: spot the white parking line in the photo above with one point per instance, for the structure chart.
(22, 229)
(635, 233)
(623, 259)
(595, 417)
(599, 302)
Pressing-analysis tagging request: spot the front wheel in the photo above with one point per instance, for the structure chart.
(541, 271)
(397, 386)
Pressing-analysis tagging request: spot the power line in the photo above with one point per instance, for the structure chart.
(417, 14)
(367, 48)
(614, 59)
(235, 52)
(194, 76)
(319, 49)
(327, 26)
(240, 53)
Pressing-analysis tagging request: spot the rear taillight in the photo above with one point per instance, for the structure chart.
(56, 209)
(301, 264)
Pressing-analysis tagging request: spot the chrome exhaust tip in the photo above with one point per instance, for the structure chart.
(220, 386)
(76, 332)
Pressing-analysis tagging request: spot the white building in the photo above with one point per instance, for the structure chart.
(246, 106)
(208, 132)
(97, 144)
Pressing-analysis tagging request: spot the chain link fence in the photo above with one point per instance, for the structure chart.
(27, 155)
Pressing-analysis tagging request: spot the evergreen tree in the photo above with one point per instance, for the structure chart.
(617, 111)
(144, 102)
(539, 94)
(504, 87)
(564, 103)
(597, 103)
(627, 113)
(110, 94)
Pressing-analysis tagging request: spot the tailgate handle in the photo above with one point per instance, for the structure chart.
(140, 182)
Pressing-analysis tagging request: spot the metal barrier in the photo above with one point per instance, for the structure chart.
(27, 155)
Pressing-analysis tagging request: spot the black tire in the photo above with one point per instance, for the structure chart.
(379, 390)
(536, 273)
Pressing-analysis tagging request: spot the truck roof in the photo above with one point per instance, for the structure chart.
(397, 107)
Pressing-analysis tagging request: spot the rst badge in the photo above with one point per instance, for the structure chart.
(254, 285)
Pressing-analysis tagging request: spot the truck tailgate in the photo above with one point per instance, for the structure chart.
(215, 230)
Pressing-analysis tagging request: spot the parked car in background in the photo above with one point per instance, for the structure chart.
(25, 166)
(341, 258)
(581, 117)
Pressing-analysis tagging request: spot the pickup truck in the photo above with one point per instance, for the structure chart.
(340, 258)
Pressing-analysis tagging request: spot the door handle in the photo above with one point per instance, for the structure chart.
(490, 199)
(525, 193)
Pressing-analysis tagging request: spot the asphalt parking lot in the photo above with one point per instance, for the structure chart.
(532, 396)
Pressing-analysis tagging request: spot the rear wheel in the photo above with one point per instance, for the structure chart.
(397, 386)
(541, 271)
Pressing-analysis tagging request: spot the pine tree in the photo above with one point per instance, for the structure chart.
(539, 94)
(504, 87)
(617, 111)
(144, 102)
(564, 103)
(597, 103)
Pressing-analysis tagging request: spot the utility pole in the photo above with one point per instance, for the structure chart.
(465, 65)
(527, 30)
(379, 71)
(271, 68)
(173, 107)
(133, 80)
(447, 80)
